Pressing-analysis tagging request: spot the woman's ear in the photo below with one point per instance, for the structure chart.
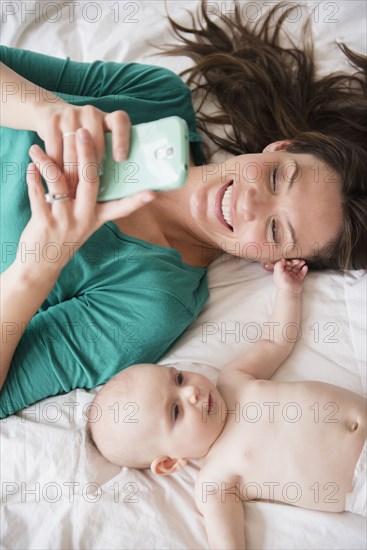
(277, 145)
(165, 465)
(268, 266)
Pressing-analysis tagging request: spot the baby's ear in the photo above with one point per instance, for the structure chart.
(165, 465)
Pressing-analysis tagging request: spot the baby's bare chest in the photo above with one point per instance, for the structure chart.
(278, 440)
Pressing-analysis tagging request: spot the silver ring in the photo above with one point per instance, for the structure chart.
(56, 197)
(67, 134)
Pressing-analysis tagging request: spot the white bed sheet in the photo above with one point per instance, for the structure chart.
(57, 491)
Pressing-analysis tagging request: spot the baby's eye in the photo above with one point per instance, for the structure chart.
(176, 412)
(273, 227)
(180, 378)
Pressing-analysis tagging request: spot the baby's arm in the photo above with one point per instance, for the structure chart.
(223, 513)
(268, 353)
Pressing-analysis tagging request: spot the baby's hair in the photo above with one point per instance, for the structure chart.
(105, 395)
(123, 444)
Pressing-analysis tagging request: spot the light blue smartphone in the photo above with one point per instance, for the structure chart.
(158, 159)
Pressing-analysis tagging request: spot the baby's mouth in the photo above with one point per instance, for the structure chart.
(210, 403)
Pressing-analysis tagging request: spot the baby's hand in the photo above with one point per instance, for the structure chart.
(289, 275)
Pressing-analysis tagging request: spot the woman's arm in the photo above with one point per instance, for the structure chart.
(27, 106)
(143, 91)
(67, 224)
(22, 101)
(22, 294)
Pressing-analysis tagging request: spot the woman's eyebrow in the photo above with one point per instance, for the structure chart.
(294, 177)
(295, 174)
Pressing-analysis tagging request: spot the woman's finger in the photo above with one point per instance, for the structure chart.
(119, 124)
(96, 130)
(49, 170)
(70, 162)
(36, 192)
(87, 117)
(112, 210)
(53, 144)
(88, 173)
(93, 119)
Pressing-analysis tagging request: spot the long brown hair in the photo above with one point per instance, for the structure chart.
(267, 92)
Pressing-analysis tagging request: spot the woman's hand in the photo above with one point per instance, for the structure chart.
(55, 231)
(289, 275)
(59, 118)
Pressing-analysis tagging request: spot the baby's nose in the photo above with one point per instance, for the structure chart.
(192, 394)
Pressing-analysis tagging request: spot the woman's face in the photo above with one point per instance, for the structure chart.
(267, 206)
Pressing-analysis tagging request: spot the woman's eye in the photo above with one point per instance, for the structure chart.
(274, 178)
(180, 378)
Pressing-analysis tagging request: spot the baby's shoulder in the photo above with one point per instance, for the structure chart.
(219, 462)
(214, 478)
(231, 384)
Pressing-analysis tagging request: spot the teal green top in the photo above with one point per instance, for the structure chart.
(120, 300)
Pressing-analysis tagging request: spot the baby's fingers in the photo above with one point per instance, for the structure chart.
(295, 265)
(303, 272)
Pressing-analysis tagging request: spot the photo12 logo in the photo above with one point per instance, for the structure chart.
(70, 491)
(291, 12)
(52, 12)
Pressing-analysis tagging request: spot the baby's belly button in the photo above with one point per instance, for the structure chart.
(352, 425)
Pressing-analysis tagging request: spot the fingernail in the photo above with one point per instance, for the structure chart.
(120, 154)
(82, 134)
(147, 198)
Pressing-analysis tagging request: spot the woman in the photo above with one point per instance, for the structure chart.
(100, 287)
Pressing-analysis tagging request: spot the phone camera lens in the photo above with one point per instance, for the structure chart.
(165, 152)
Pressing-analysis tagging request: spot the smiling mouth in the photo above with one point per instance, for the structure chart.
(223, 205)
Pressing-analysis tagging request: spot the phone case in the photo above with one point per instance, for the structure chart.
(158, 160)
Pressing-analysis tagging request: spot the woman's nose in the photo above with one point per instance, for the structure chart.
(252, 204)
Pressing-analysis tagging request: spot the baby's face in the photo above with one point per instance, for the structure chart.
(185, 410)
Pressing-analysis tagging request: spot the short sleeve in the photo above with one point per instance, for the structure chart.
(83, 342)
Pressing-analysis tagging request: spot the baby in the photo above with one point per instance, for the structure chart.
(302, 443)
